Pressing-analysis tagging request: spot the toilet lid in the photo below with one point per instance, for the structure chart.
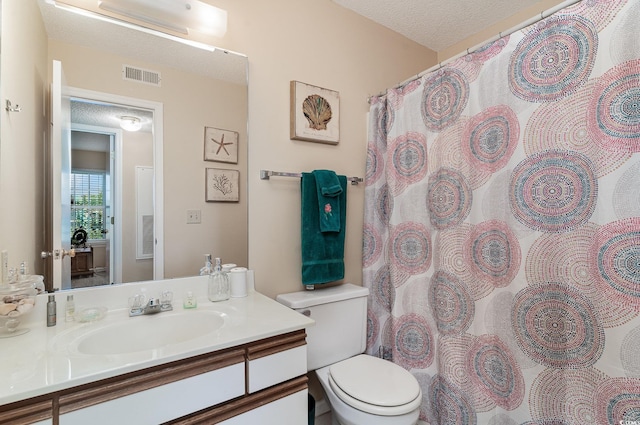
(375, 386)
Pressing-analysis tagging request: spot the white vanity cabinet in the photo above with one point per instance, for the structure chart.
(258, 382)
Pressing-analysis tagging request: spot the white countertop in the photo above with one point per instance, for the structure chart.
(40, 362)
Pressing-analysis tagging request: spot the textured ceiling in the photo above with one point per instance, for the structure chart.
(437, 24)
(104, 115)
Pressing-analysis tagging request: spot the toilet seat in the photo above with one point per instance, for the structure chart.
(375, 386)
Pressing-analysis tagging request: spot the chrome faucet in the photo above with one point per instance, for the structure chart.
(139, 306)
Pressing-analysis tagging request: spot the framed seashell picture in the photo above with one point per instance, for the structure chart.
(315, 113)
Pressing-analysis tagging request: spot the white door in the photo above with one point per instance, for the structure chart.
(60, 174)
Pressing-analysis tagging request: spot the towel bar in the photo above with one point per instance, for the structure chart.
(265, 174)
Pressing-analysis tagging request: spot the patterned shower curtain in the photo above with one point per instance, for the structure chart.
(502, 226)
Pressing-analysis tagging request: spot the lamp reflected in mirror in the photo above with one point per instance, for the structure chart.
(128, 123)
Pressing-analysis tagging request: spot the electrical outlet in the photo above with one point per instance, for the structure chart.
(193, 216)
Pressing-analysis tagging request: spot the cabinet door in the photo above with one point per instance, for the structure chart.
(288, 410)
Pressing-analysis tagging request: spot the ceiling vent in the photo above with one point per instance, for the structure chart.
(146, 76)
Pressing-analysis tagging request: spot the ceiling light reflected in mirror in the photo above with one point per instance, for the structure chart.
(218, 20)
(130, 123)
(181, 16)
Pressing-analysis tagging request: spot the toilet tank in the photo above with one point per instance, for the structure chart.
(340, 313)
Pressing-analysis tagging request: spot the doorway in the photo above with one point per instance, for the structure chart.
(93, 199)
(117, 222)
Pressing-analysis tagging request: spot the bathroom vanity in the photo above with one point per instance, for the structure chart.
(241, 361)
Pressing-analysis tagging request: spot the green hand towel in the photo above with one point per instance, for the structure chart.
(322, 252)
(329, 189)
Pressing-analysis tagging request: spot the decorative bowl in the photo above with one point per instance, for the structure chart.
(16, 300)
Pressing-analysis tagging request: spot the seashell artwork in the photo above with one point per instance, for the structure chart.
(317, 110)
(315, 113)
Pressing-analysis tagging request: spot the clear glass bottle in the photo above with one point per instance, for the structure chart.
(208, 268)
(70, 309)
(218, 284)
(190, 301)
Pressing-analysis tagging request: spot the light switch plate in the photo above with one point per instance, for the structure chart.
(193, 217)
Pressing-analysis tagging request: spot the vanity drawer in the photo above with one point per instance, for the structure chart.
(276, 360)
(158, 405)
(291, 409)
(285, 403)
(158, 394)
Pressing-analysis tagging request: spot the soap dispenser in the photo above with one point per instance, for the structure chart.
(208, 268)
(218, 283)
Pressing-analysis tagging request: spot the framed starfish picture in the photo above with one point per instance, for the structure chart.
(220, 145)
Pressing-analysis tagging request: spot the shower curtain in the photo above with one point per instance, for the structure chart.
(502, 225)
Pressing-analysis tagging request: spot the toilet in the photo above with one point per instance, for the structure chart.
(361, 389)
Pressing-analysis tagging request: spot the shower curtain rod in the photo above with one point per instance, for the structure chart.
(541, 16)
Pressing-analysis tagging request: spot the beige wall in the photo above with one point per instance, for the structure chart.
(88, 160)
(313, 41)
(24, 82)
(320, 43)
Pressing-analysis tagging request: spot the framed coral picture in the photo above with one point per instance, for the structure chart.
(220, 145)
(315, 114)
(222, 185)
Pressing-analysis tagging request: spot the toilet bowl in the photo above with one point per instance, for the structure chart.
(361, 389)
(366, 390)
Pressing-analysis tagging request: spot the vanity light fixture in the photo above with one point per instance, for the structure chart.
(87, 13)
(129, 123)
(181, 16)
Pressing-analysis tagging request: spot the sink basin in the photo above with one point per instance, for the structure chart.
(151, 332)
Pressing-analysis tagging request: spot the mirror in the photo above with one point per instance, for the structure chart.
(202, 94)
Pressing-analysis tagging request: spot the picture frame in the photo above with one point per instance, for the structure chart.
(220, 145)
(222, 185)
(315, 113)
